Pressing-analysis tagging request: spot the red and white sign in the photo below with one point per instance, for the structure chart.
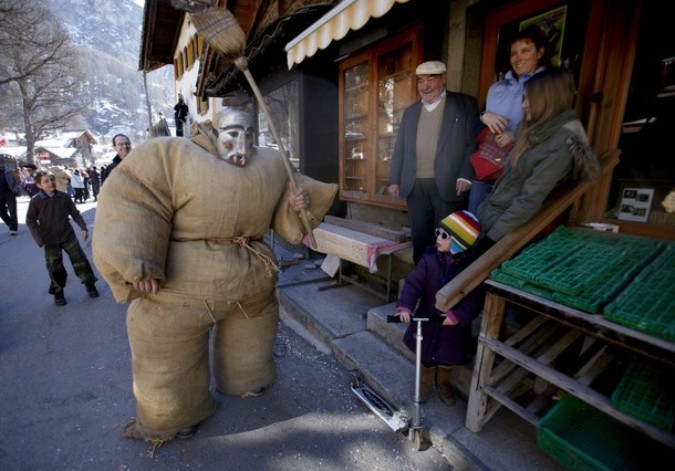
(44, 156)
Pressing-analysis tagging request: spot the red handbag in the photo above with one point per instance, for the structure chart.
(488, 161)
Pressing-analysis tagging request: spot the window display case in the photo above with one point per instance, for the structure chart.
(376, 86)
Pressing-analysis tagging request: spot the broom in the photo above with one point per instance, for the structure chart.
(221, 30)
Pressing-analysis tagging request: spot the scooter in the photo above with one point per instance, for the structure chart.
(397, 419)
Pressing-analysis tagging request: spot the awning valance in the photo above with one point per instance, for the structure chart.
(334, 25)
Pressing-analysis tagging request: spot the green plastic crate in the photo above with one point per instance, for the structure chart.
(580, 437)
(647, 392)
(536, 259)
(648, 304)
(502, 277)
(580, 268)
(499, 275)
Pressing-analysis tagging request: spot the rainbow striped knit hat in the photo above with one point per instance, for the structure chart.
(463, 228)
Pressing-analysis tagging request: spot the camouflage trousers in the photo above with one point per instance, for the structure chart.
(58, 273)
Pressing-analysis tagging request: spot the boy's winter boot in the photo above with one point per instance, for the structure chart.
(427, 376)
(92, 291)
(60, 299)
(443, 385)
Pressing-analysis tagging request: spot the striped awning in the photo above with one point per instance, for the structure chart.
(334, 25)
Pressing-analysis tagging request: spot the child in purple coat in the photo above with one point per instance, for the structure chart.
(444, 337)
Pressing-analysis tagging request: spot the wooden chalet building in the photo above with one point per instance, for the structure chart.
(337, 76)
(602, 41)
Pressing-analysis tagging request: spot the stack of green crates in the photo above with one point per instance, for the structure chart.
(647, 392)
(580, 268)
(581, 437)
(648, 304)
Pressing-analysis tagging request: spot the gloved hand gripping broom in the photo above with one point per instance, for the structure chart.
(221, 30)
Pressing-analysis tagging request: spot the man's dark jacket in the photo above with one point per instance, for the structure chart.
(456, 143)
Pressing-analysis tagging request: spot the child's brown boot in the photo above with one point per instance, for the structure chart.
(443, 385)
(426, 382)
(60, 299)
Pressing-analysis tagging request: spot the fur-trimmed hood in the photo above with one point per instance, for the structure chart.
(586, 163)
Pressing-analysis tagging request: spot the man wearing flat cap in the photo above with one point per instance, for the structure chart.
(431, 165)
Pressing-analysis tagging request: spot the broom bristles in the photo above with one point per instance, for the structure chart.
(221, 30)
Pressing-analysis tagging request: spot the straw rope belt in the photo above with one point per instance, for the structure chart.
(270, 265)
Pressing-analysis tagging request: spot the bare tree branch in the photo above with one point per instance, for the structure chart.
(40, 73)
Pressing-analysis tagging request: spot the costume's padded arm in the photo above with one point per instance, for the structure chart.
(287, 223)
(132, 230)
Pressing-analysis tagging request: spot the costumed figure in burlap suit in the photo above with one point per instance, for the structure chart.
(178, 234)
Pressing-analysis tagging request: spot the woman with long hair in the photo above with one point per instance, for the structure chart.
(550, 147)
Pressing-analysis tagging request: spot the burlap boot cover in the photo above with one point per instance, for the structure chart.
(170, 365)
(243, 346)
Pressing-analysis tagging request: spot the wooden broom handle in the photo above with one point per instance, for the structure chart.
(287, 163)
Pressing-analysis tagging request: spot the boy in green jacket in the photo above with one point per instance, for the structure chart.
(49, 223)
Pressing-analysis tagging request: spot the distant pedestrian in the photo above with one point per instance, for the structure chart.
(85, 179)
(94, 181)
(10, 188)
(122, 144)
(444, 337)
(77, 183)
(49, 224)
(28, 186)
(180, 114)
(102, 172)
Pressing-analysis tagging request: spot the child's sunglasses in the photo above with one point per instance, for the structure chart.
(442, 234)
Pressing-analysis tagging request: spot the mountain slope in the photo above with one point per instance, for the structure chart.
(108, 34)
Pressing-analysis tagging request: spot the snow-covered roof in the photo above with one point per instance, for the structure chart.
(53, 142)
(64, 139)
(14, 151)
(62, 152)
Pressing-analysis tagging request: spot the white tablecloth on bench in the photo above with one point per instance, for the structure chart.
(357, 247)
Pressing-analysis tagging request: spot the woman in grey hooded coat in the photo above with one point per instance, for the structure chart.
(551, 146)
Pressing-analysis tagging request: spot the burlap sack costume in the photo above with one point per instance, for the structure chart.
(173, 211)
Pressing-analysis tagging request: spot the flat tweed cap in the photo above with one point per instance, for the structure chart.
(431, 68)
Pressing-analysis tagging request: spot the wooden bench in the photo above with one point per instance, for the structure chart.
(362, 243)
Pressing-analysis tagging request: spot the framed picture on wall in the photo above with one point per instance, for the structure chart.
(552, 23)
(635, 204)
(566, 43)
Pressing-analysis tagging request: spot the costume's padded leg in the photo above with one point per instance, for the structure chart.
(243, 347)
(170, 364)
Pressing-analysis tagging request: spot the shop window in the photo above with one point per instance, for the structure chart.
(177, 68)
(190, 53)
(200, 46)
(284, 106)
(643, 184)
(376, 86)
